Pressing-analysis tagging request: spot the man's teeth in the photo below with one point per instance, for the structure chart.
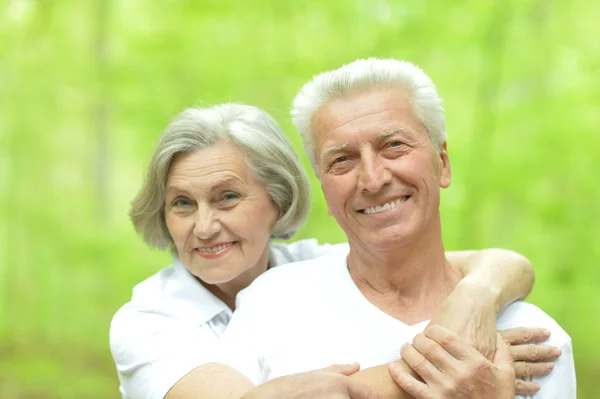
(384, 207)
(215, 249)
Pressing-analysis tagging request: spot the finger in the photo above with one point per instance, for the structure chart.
(521, 335)
(487, 349)
(344, 369)
(359, 390)
(436, 355)
(526, 387)
(535, 353)
(407, 382)
(502, 357)
(450, 342)
(526, 369)
(419, 363)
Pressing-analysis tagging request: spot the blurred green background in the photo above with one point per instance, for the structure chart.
(87, 86)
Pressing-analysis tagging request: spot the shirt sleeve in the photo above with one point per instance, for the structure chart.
(152, 351)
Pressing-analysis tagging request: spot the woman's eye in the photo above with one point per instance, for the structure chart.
(229, 196)
(180, 202)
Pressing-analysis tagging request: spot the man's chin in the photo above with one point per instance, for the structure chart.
(385, 240)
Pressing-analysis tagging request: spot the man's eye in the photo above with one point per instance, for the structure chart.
(341, 159)
(395, 144)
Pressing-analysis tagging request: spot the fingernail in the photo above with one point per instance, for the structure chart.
(556, 352)
(546, 333)
(550, 366)
(537, 386)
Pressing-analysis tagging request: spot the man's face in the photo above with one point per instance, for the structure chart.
(379, 171)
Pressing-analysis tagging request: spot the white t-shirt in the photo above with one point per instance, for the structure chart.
(310, 315)
(173, 324)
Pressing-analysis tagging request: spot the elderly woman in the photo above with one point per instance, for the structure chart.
(223, 182)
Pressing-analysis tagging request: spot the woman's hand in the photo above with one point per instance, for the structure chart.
(470, 311)
(330, 383)
(530, 360)
(452, 369)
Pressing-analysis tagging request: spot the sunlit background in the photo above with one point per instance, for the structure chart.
(86, 87)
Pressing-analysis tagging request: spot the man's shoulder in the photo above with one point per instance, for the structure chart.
(296, 278)
(306, 249)
(523, 314)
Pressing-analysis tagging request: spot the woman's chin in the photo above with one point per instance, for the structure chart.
(216, 277)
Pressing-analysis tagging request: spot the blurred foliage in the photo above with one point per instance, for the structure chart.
(87, 86)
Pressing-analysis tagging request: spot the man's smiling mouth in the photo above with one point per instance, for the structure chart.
(384, 207)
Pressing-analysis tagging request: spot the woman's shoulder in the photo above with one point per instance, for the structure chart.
(171, 295)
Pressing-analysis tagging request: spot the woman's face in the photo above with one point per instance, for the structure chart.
(218, 215)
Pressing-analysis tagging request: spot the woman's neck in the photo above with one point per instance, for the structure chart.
(227, 292)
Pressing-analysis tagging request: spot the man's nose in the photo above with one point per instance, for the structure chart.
(207, 223)
(373, 173)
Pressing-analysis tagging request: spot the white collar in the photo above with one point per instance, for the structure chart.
(188, 298)
(175, 292)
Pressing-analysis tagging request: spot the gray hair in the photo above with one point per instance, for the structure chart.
(364, 75)
(269, 155)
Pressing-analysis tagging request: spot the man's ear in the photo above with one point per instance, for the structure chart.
(445, 176)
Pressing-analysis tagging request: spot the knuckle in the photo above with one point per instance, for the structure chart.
(515, 352)
(419, 365)
(337, 382)
(522, 369)
(480, 366)
(449, 388)
(526, 335)
(447, 340)
(462, 379)
(519, 384)
(533, 352)
(429, 349)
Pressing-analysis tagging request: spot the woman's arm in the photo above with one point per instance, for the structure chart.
(494, 278)
(491, 283)
(506, 274)
(218, 381)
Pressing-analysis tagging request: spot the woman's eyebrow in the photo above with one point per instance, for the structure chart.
(230, 181)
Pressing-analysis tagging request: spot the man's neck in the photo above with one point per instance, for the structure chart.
(409, 282)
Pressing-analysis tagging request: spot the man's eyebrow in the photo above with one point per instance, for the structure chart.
(335, 148)
(380, 136)
(391, 132)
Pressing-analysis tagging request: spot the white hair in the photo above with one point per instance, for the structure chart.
(365, 75)
(269, 155)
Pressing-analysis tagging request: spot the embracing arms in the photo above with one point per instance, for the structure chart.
(494, 278)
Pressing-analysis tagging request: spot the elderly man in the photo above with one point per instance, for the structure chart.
(375, 133)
